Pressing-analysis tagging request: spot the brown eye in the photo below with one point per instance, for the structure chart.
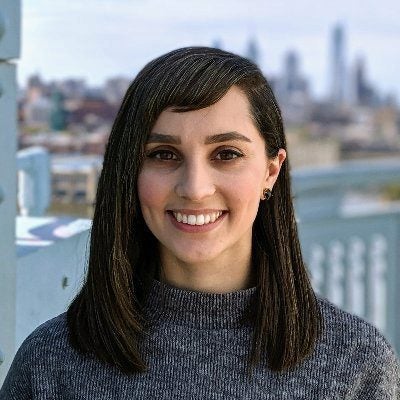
(227, 155)
(163, 155)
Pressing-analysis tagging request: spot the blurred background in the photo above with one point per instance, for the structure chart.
(64, 68)
(333, 67)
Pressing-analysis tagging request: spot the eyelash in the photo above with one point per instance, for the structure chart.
(155, 155)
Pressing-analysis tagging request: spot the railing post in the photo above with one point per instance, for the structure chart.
(9, 50)
(34, 186)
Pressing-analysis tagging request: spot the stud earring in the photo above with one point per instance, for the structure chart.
(267, 194)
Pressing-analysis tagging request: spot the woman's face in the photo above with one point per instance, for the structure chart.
(202, 181)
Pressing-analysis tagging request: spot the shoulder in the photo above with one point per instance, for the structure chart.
(40, 355)
(355, 348)
(50, 336)
(343, 328)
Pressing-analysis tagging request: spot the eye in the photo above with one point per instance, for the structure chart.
(163, 155)
(228, 154)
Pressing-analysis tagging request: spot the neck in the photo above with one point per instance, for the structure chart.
(212, 276)
(198, 309)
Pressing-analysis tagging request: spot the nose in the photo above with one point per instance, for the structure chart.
(195, 182)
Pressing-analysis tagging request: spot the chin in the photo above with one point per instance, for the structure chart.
(194, 257)
(195, 260)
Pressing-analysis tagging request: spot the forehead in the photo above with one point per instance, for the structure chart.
(231, 113)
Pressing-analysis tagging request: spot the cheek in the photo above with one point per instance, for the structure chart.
(245, 195)
(151, 191)
(247, 187)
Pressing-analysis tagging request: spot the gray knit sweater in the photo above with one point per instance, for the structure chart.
(197, 350)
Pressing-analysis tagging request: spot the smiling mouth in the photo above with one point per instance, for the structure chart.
(199, 219)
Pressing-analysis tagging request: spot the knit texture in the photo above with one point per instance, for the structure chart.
(197, 349)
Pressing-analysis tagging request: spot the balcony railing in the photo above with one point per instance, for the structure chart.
(352, 248)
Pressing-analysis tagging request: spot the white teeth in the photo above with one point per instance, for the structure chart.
(200, 219)
(191, 220)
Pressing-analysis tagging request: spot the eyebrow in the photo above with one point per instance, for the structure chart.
(218, 138)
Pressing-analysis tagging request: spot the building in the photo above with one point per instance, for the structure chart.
(253, 51)
(115, 89)
(292, 90)
(338, 66)
(362, 92)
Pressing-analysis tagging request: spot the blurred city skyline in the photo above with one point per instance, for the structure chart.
(99, 39)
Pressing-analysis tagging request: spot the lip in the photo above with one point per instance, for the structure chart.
(189, 211)
(196, 228)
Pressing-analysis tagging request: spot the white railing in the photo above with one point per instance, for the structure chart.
(34, 181)
(353, 252)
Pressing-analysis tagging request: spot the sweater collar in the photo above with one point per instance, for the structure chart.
(199, 309)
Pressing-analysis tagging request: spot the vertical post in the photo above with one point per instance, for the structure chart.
(9, 50)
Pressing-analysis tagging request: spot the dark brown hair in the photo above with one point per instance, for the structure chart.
(105, 319)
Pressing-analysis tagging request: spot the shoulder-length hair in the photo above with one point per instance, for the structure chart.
(105, 319)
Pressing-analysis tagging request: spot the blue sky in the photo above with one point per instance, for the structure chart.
(96, 39)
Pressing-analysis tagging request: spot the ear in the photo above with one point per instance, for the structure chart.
(273, 167)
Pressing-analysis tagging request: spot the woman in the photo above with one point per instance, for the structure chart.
(196, 287)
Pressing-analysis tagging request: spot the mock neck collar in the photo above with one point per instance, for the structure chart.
(199, 309)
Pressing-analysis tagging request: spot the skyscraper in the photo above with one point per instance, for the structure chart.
(291, 83)
(363, 93)
(217, 43)
(338, 65)
(253, 51)
(291, 89)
